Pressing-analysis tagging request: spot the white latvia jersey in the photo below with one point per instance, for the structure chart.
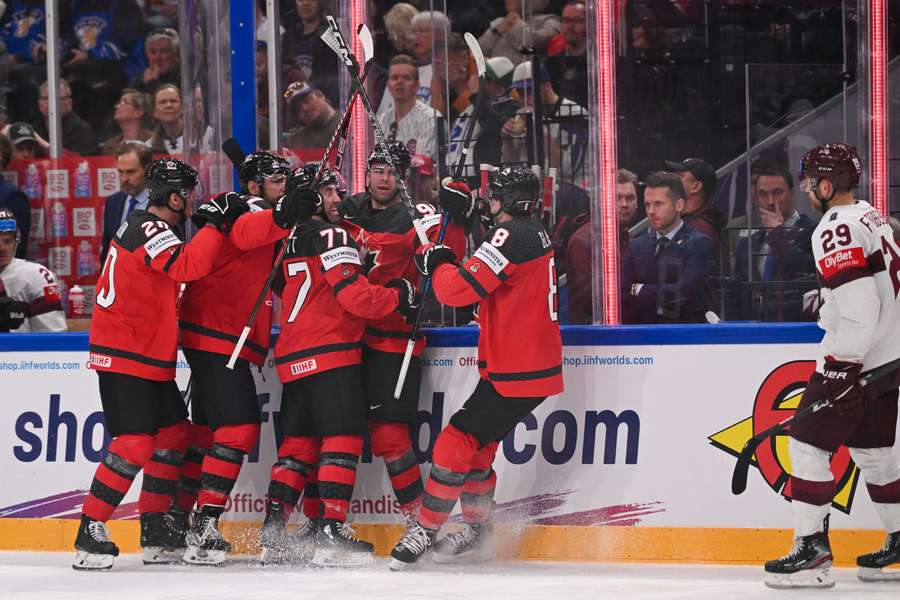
(858, 263)
(35, 286)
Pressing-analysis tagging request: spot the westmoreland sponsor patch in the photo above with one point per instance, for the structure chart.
(161, 241)
(839, 260)
(337, 256)
(492, 257)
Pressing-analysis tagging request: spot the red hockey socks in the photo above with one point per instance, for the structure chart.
(391, 442)
(297, 457)
(126, 456)
(477, 498)
(312, 504)
(223, 462)
(189, 484)
(337, 473)
(451, 462)
(163, 470)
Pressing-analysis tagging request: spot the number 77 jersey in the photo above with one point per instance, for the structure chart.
(858, 263)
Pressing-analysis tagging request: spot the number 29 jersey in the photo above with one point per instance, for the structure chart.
(858, 263)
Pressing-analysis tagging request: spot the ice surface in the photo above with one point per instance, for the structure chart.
(49, 576)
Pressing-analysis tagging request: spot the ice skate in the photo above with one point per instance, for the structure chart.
(93, 548)
(205, 545)
(471, 544)
(161, 538)
(414, 545)
(872, 566)
(280, 546)
(336, 545)
(808, 564)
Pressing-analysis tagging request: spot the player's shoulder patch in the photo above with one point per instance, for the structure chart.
(139, 229)
(257, 204)
(518, 240)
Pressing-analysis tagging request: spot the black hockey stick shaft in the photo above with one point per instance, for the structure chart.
(234, 152)
(742, 467)
(340, 133)
(478, 55)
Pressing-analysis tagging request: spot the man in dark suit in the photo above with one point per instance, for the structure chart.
(132, 159)
(665, 271)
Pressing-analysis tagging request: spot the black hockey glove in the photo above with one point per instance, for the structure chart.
(409, 299)
(842, 384)
(296, 206)
(429, 256)
(221, 211)
(457, 200)
(12, 313)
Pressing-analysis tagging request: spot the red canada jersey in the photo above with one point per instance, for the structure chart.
(134, 329)
(387, 241)
(326, 301)
(513, 275)
(214, 310)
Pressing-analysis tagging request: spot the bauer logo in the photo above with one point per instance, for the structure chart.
(306, 366)
(100, 360)
(777, 399)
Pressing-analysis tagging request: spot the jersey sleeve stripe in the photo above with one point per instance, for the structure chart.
(172, 259)
(315, 351)
(526, 375)
(343, 283)
(163, 364)
(846, 276)
(42, 306)
(876, 262)
(467, 277)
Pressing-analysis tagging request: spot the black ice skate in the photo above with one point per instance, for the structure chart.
(337, 546)
(871, 566)
(281, 546)
(162, 539)
(808, 564)
(205, 545)
(93, 548)
(414, 545)
(471, 544)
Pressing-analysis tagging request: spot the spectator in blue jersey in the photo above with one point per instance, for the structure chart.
(23, 31)
(665, 271)
(13, 199)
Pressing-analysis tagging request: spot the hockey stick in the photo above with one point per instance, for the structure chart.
(478, 55)
(334, 40)
(233, 151)
(742, 467)
(340, 134)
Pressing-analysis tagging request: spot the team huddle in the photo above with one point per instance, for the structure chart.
(349, 281)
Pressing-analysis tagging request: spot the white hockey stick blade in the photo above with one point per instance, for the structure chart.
(712, 317)
(368, 46)
(237, 348)
(477, 54)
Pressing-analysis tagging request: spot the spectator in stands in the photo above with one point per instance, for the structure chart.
(508, 35)
(398, 23)
(664, 273)
(409, 120)
(29, 295)
(13, 199)
(450, 80)
(23, 30)
(132, 159)
(318, 119)
(130, 115)
(77, 135)
(168, 135)
(304, 55)
(161, 48)
(565, 126)
(202, 131)
(422, 179)
(161, 13)
(700, 180)
(568, 69)
(26, 144)
(578, 252)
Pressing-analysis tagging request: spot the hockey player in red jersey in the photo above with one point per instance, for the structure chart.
(327, 300)
(858, 264)
(224, 409)
(133, 345)
(381, 224)
(512, 275)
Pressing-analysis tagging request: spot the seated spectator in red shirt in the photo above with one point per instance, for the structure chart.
(161, 47)
(664, 272)
(130, 115)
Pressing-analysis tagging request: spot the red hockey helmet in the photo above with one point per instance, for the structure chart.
(838, 163)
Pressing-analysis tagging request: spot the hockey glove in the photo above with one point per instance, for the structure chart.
(457, 200)
(12, 313)
(221, 211)
(408, 299)
(429, 256)
(842, 384)
(297, 205)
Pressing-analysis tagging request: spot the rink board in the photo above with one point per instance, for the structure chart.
(632, 462)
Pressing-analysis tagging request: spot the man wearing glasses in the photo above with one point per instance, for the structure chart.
(77, 135)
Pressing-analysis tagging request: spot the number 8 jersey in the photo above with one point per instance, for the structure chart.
(858, 262)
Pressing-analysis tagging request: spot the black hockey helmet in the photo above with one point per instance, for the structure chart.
(302, 177)
(260, 165)
(838, 163)
(517, 189)
(166, 176)
(394, 154)
(8, 223)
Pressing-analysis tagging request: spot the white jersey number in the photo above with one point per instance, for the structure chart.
(552, 299)
(293, 270)
(106, 295)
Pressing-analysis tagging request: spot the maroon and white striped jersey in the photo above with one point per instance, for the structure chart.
(35, 286)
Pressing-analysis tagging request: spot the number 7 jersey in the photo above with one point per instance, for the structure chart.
(858, 262)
